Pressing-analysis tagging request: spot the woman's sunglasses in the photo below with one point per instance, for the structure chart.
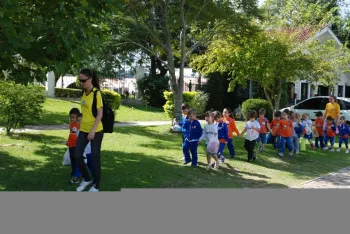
(83, 81)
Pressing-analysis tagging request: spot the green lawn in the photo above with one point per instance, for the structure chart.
(56, 112)
(150, 157)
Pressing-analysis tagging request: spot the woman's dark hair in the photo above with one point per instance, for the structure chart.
(230, 113)
(334, 97)
(91, 74)
(74, 111)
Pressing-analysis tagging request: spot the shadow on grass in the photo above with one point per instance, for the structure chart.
(52, 118)
(40, 138)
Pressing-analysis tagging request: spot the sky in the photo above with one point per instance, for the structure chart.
(343, 8)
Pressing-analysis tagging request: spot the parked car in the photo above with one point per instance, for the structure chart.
(315, 104)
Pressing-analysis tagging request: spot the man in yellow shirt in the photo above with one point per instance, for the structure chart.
(332, 109)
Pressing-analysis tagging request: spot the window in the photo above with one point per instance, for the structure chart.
(304, 91)
(311, 104)
(346, 105)
(323, 103)
(340, 90)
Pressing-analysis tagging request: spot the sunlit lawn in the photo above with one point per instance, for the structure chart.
(150, 157)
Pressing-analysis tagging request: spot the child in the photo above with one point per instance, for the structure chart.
(252, 127)
(307, 123)
(193, 131)
(298, 130)
(274, 130)
(263, 129)
(222, 134)
(286, 131)
(330, 129)
(184, 119)
(319, 122)
(231, 128)
(71, 143)
(344, 132)
(210, 133)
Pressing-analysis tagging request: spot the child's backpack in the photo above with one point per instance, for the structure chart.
(108, 114)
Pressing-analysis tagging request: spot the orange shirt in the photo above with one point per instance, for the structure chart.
(275, 125)
(319, 128)
(286, 128)
(231, 125)
(330, 132)
(263, 124)
(73, 135)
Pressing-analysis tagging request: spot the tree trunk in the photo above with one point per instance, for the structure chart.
(199, 81)
(153, 70)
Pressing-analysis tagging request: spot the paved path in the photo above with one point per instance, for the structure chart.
(337, 180)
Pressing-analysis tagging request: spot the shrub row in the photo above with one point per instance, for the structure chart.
(256, 104)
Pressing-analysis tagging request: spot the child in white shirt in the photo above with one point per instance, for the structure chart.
(252, 128)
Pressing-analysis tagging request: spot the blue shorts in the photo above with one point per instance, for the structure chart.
(262, 138)
(308, 137)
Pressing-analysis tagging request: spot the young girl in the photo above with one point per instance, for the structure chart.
(286, 132)
(263, 129)
(252, 128)
(231, 128)
(222, 134)
(193, 131)
(274, 130)
(330, 129)
(210, 133)
(298, 130)
(307, 123)
(319, 122)
(344, 132)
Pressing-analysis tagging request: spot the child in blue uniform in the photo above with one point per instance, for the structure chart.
(222, 134)
(344, 133)
(193, 131)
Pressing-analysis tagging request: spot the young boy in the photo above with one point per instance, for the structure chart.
(274, 130)
(263, 129)
(210, 133)
(298, 130)
(286, 132)
(231, 128)
(71, 143)
(319, 122)
(307, 123)
(193, 131)
(184, 119)
(252, 128)
(222, 134)
(330, 129)
(344, 132)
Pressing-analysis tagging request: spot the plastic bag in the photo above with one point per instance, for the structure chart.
(176, 128)
(302, 144)
(213, 146)
(315, 132)
(66, 158)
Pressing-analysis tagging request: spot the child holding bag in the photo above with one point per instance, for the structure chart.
(210, 133)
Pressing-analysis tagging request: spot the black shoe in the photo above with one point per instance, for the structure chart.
(233, 156)
(254, 157)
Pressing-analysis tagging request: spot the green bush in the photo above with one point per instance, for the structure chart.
(68, 93)
(197, 100)
(151, 90)
(256, 104)
(112, 98)
(20, 105)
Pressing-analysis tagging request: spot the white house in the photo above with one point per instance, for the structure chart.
(303, 89)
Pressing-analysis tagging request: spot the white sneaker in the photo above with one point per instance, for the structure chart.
(325, 148)
(297, 152)
(291, 154)
(331, 150)
(281, 155)
(338, 150)
(83, 185)
(347, 151)
(209, 166)
(216, 166)
(93, 189)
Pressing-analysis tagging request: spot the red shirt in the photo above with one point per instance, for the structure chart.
(286, 128)
(263, 124)
(330, 132)
(275, 125)
(319, 126)
(231, 125)
(73, 135)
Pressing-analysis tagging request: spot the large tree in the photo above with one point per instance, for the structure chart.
(171, 30)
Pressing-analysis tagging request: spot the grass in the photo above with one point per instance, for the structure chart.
(55, 111)
(150, 157)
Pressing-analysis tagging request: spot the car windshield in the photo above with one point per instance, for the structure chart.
(347, 105)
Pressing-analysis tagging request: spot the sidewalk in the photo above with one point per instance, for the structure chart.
(335, 180)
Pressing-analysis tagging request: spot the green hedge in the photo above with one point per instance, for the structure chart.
(68, 93)
(113, 99)
(256, 104)
(169, 106)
